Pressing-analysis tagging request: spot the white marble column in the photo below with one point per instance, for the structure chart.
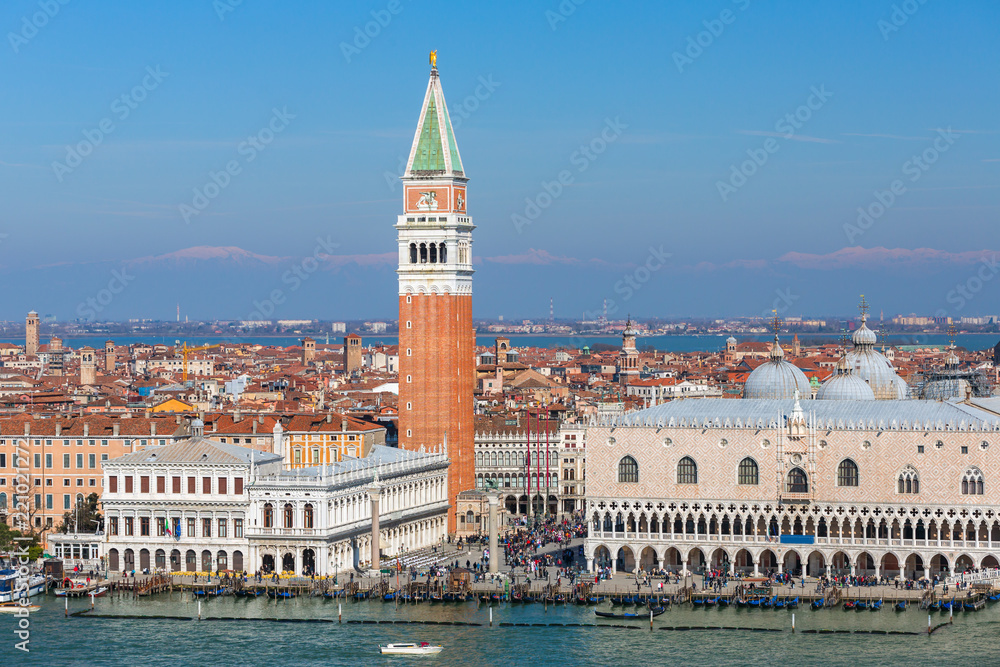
(493, 500)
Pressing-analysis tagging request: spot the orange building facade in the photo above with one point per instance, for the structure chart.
(436, 338)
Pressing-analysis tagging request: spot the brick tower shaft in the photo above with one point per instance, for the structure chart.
(436, 338)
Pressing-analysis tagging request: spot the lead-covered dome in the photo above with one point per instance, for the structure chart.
(872, 367)
(845, 386)
(776, 378)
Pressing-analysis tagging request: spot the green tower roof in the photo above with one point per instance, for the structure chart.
(435, 151)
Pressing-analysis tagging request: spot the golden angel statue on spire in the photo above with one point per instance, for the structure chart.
(434, 58)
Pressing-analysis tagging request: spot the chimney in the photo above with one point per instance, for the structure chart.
(58, 429)
(237, 415)
(152, 428)
(177, 419)
(27, 429)
(86, 429)
(329, 417)
(253, 426)
(343, 424)
(116, 430)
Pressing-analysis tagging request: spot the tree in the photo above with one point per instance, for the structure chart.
(84, 517)
(7, 543)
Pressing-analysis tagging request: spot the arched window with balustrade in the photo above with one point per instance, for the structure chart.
(798, 481)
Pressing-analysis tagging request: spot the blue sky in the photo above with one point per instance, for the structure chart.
(871, 83)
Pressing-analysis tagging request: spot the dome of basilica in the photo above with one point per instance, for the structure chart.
(872, 367)
(845, 386)
(776, 378)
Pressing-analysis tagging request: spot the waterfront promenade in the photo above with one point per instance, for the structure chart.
(442, 559)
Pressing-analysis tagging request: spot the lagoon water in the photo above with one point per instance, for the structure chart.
(135, 638)
(665, 343)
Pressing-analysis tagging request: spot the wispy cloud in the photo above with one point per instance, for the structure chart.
(373, 260)
(792, 137)
(545, 258)
(883, 258)
(878, 258)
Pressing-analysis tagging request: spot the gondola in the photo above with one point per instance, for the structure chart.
(934, 606)
(389, 597)
(946, 604)
(860, 605)
(593, 599)
(901, 605)
(754, 602)
(818, 604)
(740, 602)
(793, 603)
(974, 604)
(698, 602)
(724, 602)
(993, 598)
(877, 605)
(779, 604)
(768, 602)
(848, 605)
(630, 615)
(280, 595)
(711, 602)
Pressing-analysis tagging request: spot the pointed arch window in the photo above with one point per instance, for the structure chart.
(628, 470)
(798, 482)
(908, 481)
(847, 473)
(749, 473)
(687, 471)
(972, 482)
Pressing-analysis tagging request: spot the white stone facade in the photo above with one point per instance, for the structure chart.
(321, 519)
(238, 509)
(198, 485)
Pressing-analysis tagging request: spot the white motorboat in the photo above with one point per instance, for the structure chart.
(12, 589)
(423, 648)
(17, 608)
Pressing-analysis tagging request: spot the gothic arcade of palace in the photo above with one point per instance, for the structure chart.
(890, 487)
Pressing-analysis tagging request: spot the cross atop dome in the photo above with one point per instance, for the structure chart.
(863, 308)
(775, 324)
